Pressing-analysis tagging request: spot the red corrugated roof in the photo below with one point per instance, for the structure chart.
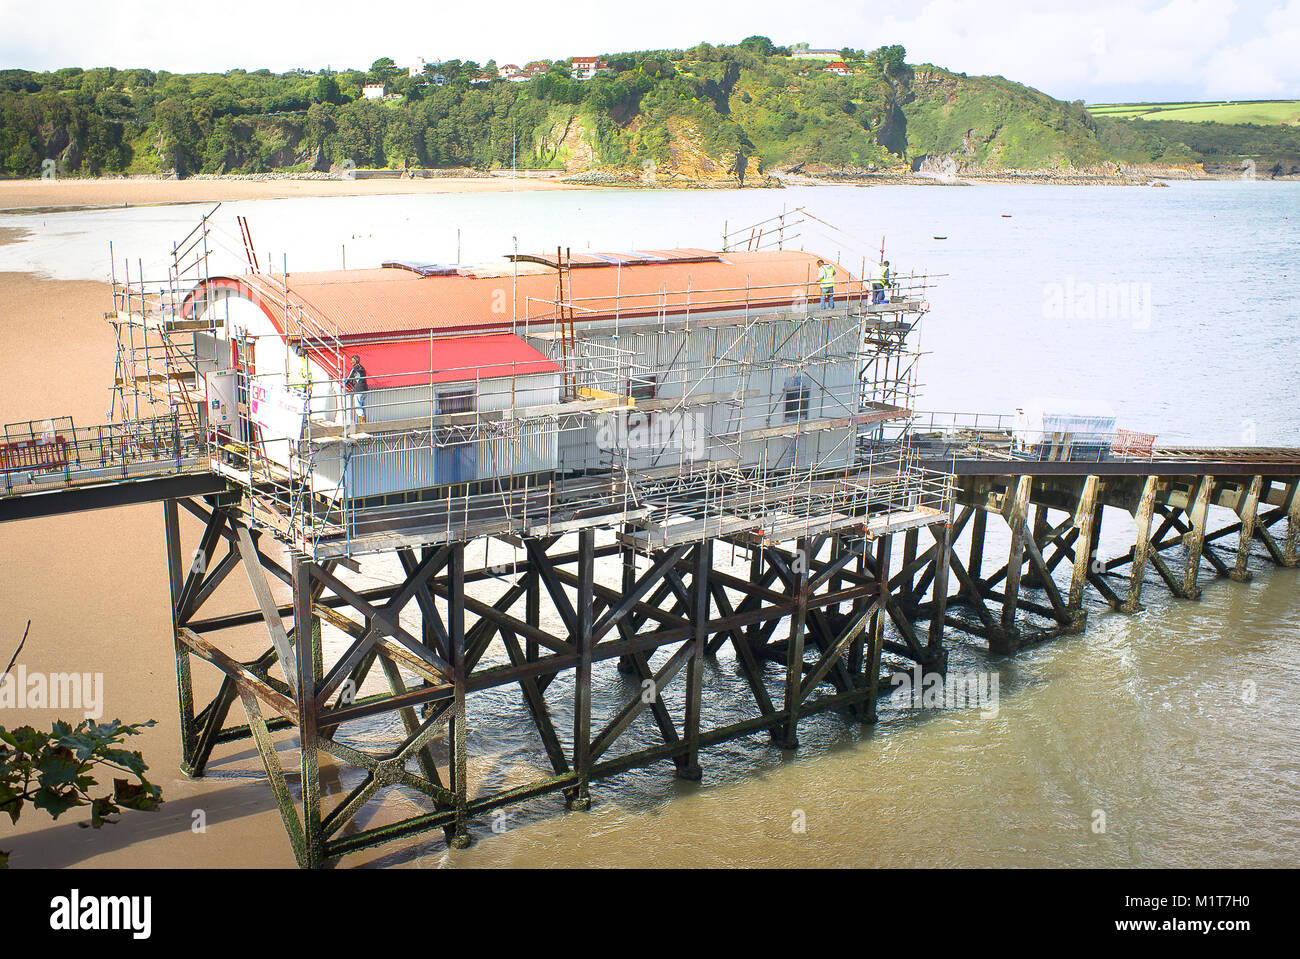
(359, 303)
(586, 260)
(454, 359)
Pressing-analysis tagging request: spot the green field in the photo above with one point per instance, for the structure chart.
(1263, 112)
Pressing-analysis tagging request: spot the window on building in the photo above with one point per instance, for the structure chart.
(457, 401)
(644, 388)
(796, 399)
(457, 453)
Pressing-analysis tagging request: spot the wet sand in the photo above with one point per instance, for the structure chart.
(44, 194)
(94, 586)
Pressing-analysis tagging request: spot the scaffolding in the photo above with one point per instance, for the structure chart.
(670, 420)
(156, 370)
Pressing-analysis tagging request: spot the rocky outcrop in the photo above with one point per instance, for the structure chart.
(606, 177)
(70, 159)
(319, 161)
(952, 169)
(1257, 168)
(566, 142)
(689, 165)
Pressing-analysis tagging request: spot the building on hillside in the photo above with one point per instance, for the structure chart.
(417, 68)
(584, 68)
(536, 68)
(374, 91)
(811, 54)
(509, 71)
(839, 68)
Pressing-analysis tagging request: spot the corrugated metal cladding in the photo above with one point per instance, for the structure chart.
(418, 402)
(815, 357)
(400, 462)
(377, 467)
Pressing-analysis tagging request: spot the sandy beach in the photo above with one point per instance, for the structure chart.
(18, 195)
(94, 587)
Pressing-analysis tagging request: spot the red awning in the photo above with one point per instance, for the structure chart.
(454, 359)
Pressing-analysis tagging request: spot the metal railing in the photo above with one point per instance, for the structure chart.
(57, 454)
(853, 297)
(948, 435)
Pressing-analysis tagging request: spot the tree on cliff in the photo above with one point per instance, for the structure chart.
(325, 90)
(891, 59)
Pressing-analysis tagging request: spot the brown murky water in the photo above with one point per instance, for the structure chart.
(1165, 738)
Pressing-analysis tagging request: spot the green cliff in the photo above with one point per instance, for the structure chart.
(710, 113)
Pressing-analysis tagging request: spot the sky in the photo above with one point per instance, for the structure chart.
(1098, 52)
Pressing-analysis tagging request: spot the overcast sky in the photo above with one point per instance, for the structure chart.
(1098, 51)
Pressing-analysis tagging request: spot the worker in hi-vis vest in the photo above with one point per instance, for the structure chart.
(826, 280)
(880, 288)
(301, 378)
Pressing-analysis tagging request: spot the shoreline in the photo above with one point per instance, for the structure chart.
(1135, 177)
(32, 196)
(90, 193)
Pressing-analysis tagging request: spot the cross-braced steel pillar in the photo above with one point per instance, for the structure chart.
(442, 634)
(639, 634)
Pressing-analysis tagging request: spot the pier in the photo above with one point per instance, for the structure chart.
(1053, 512)
(706, 491)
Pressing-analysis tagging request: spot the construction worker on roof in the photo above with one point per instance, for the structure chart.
(826, 280)
(880, 288)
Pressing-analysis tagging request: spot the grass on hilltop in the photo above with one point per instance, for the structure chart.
(1263, 112)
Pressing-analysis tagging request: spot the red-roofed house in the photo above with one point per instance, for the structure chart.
(839, 68)
(584, 68)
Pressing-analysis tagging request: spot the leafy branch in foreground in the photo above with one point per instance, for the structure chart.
(14, 658)
(56, 771)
